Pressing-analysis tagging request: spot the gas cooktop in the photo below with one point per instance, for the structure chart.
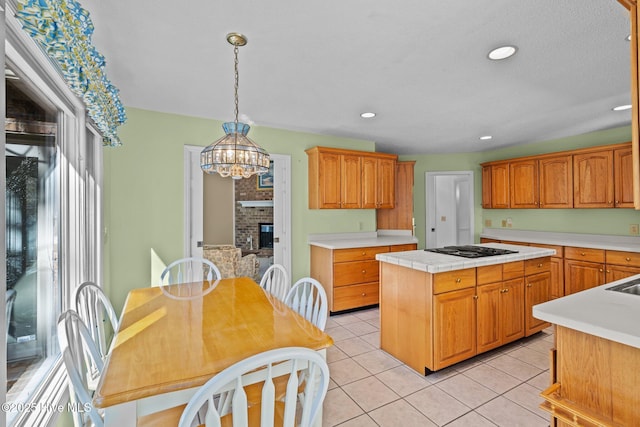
(469, 251)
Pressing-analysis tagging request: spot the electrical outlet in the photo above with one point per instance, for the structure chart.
(633, 229)
(509, 222)
(504, 222)
(487, 223)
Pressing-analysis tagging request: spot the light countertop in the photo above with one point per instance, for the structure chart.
(597, 241)
(362, 239)
(432, 262)
(606, 314)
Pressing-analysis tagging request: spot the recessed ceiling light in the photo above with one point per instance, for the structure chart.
(502, 52)
(367, 115)
(485, 138)
(621, 107)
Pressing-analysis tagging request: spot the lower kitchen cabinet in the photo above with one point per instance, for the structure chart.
(537, 291)
(454, 332)
(500, 314)
(350, 276)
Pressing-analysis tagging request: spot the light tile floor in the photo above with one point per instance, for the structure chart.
(371, 388)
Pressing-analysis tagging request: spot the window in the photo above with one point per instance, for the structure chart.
(52, 212)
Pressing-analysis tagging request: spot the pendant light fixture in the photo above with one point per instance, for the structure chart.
(234, 154)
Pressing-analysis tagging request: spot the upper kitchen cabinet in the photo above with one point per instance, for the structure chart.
(401, 216)
(584, 178)
(348, 179)
(634, 37)
(593, 179)
(378, 182)
(556, 182)
(523, 184)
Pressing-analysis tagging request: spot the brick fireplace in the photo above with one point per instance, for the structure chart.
(249, 219)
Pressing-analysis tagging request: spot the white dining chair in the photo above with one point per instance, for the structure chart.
(276, 281)
(189, 270)
(80, 356)
(309, 299)
(95, 310)
(225, 393)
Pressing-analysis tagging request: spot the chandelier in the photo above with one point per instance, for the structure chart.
(234, 154)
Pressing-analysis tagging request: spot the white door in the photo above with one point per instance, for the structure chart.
(449, 208)
(193, 206)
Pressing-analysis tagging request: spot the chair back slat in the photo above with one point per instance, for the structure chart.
(308, 298)
(302, 365)
(189, 270)
(276, 281)
(96, 311)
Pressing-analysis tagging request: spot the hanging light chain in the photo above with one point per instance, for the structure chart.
(236, 75)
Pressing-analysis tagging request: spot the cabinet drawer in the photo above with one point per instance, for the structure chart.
(349, 273)
(489, 274)
(453, 280)
(584, 254)
(347, 297)
(537, 265)
(358, 254)
(631, 259)
(512, 270)
(559, 249)
(402, 248)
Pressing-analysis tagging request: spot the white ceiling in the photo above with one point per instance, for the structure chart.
(421, 65)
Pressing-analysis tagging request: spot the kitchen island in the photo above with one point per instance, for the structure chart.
(594, 365)
(437, 310)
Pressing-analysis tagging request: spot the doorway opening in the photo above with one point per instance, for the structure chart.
(450, 213)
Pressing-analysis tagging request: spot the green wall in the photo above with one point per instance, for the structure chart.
(143, 193)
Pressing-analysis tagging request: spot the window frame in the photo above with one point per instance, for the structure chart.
(80, 174)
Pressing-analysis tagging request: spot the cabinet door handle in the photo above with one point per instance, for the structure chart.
(600, 270)
(458, 280)
(364, 294)
(627, 259)
(529, 285)
(364, 271)
(540, 265)
(608, 271)
(582, 253)
(475, 297)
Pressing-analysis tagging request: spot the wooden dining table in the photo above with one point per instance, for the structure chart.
(172, 339)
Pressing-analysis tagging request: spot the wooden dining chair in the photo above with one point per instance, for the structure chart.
(224, 395)
(276, 281)
(188, 270)
(81, 357)
(309, 299)
(95, 310)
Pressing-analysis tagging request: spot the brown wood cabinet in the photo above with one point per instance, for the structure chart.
(556, 182)
(621, 264)
(593, 179)
(594, 382)
(348, 179)
(447, 317)
(596, 177)
(523, 184)
(623, 177)
(500, 185)
(350, 276)
(401, 216)
(583, 269)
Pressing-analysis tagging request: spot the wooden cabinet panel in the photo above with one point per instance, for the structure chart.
(349, 273)
(386, 183)
(512, 307)
(489, 318)
(593, 179)
(347, 297)
(537, 291)
(401, 216)
(631, 259)
(330, 193)
(523, 184)
(349, 179)
(584, 254)
(358, 254)
(581, 275)
(557, 277)
(403, 248)
(453, 280)
(454, 327)
(538, 265)
(350, 182)
(486, 187)
(556, 182)
(369, 182)
(488, 274)
(512, 270)
(500, 185)
(623, 177)
(618, 272)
